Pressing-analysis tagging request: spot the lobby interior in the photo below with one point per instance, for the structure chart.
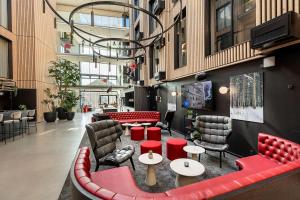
(149, 99)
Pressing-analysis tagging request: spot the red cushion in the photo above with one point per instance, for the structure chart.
(155, 146)
(137, 133)
(141, 116)
(105, 194)
(175, 148)
(120, 180)
(255, 163)
(154, 133)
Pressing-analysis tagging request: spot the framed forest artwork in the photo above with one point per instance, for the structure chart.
(246, 97)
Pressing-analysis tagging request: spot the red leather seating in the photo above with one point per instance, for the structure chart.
(175, 148)
(154, 133)
(137, 133)
(132, 117)
(276, 157)
(153, 145)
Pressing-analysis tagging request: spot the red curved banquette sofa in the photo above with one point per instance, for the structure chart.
(136, 116)
(274, 173)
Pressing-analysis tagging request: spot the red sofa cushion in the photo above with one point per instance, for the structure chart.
(255, 163)
(131, 117)
(120, 180)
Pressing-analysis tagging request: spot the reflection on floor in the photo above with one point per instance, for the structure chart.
(165, 177)
(35, 166)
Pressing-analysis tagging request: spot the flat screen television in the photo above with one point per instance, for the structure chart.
(197, 95)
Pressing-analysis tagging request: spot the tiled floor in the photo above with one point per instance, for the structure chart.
(35, 167)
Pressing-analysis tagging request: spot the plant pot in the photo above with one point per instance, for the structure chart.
(70, 115)
(50, 116)
(61, 113)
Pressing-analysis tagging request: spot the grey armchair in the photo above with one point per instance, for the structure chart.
(214, 132)
(103, 136)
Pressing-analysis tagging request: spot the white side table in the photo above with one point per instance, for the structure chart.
(135, 125)
(194, 150)
(186, 175)
(146, 126)
(127, 132)
(151, 176)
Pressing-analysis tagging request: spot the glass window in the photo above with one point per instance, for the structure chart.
(180, 50)
(4, 13)
(85, 67)
(112, 100)
(113, 70)
(104, 100)
(224, 17)
(4, 59)
(94, 69)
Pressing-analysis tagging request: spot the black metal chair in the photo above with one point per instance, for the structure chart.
(15, 119)
(169, 116)
(103, 136)
(214, 131)
(29, 118)
(2, 128)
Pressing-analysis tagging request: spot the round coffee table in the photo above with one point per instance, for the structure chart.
(135, 125)
(146, 126)
(151, 176)
(194, 150)
(126, 125)
(186, 175)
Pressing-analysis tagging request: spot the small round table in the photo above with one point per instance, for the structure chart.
(126, 125)
(186, 175)
(151, 176)
(135, 125)
(194, 150)
(146, 126)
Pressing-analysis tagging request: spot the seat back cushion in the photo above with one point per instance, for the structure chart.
(214, 129)
(103, 136)
(278, 149)
(134, 115)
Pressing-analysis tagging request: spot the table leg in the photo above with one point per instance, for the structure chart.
(127, 131)
(151, 177)
(194, 157)
(145, 130)
(185, 180)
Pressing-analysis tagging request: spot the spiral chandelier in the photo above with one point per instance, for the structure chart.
(137, 48)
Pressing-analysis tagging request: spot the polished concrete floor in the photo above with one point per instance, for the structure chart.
(35, 167)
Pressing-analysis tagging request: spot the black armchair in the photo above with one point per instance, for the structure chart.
(214, 131)
(169, 116)
(103, 136)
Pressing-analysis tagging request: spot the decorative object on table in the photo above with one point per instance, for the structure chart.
(66, 75)
(103, 136)
(150, 162)
(50, 102)
(197, 95)
(215, 131)
(151, 145)
(150, 154)
(195, 151)
(186, 175)
(169, 116)
(246, 97)
(175, 148)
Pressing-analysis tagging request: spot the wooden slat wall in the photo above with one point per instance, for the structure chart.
(265, 10)
(36, 47)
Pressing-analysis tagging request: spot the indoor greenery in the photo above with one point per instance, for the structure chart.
(23, 107)
(70, 101)
(49, 100)
(66, 74)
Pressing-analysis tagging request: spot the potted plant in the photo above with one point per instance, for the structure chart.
(189, 113)
(69, 103)
(66, 74)
(50, 102)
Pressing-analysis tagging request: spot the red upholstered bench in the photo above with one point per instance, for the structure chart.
(138, 116)
(137, 133)
(272, 174)
(153, 145)
(154, 133)
(175, 148)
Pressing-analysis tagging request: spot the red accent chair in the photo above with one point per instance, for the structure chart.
(154, 133)
(132, 117)
(153, 145)
(175, 148)
(273, 173)
(137, 133)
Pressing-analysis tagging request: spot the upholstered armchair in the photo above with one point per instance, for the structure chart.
(214, 131)
(103, 136)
